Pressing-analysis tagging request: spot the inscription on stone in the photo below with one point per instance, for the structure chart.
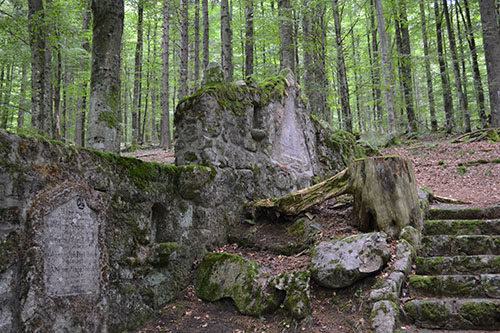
(71, 253)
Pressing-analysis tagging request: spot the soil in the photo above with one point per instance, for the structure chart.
(465, 171)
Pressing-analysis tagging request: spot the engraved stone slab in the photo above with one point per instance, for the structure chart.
(71, 253)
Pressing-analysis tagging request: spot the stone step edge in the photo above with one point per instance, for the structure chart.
(434, 245)
(455, 285)
(462, 227)
(489, 262)
(464, 213)
(453, 313)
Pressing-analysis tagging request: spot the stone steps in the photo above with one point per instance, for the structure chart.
(474, 264)
(446, 245)
(457, 281)
(464, 286)
(461, 213)
(462, 227)
(455, 314)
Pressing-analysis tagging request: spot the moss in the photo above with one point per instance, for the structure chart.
(345, 143)
(297, 229)
(435, 312)
(164, 250)
(109, 118)
(481, 314)
(423, 283)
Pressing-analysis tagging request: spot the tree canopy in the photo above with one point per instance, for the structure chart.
(369, 67)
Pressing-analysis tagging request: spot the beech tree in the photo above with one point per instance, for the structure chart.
(104, 125)
(491, 38)
(41, 86)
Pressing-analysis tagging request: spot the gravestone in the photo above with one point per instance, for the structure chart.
(71, 254)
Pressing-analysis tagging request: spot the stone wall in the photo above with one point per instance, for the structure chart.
(93, 242)
(260, 138)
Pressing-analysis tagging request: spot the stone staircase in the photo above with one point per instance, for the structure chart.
(457, 281)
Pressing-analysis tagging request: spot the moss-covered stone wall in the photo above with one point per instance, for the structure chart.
(152, 225)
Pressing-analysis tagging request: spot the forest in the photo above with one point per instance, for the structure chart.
(87, 72)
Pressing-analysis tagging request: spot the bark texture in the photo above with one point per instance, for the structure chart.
(443, 69)
(104, 125)
(227, 41)
(386, 68)
(287, 41)
(165, 137)
(491, 38)
(40, 73)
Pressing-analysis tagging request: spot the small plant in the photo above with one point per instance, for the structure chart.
(470, 152)
(462, 170)
(443, 164)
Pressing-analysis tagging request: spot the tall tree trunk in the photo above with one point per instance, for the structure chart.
(491, 38)
(430, 88)
(137, 98)
(165, 140)
(227, 41)
(184, 50)
(23, 107)
(286, 30)
(40, 73)
(104, 125)
(342, 73)
(456, 68)
(196, 44)
(249, 38)
(463, 74)
(357, 95)
(5, 101)
(315, 80)
(206, 55)
(445, 80)
(478, 85)
(406, 66)
(377, 93)
(154, 89)
(386, 68)
(84, 62)
(57, 94)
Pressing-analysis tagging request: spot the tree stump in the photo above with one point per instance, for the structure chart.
(385, 194)
(384, 191)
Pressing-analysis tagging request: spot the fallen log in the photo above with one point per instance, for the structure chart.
(384, 191)
(479, 135)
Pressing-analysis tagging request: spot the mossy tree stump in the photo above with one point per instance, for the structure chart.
(385, 194)
(384, 191)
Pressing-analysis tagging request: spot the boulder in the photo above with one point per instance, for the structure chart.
(297, 287)
(223, 275)
(341, 262)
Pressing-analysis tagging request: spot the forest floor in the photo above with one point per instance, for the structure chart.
(464, 171)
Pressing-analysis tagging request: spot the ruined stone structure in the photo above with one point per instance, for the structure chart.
(96, 242)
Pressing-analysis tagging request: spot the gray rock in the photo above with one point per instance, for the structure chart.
(412, 236)
(298, 296)
(223, 275)
(340, 263)
(385, 317)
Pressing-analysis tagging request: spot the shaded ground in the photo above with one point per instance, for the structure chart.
(469, 172)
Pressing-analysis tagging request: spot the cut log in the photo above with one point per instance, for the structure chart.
(297, 202)
(384, 191)
(385, 194)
